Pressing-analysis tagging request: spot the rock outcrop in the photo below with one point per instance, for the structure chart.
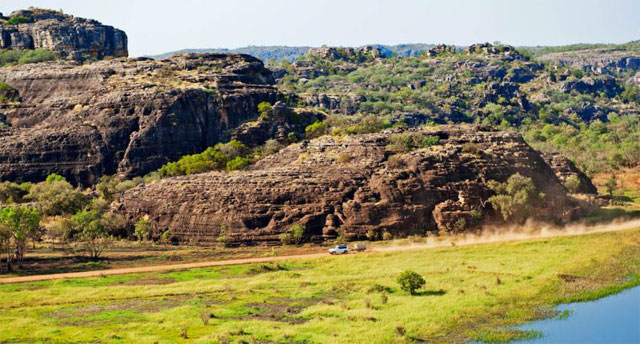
(564, 169)
(598, 61)
(278, 124)
(69, 36)
(603, 84)
(124, 116)
(350, 185)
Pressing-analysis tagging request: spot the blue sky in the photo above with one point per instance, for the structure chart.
(156, 26)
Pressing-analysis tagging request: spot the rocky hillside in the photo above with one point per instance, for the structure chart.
(67, 35)
(351, 186)
(124, 116)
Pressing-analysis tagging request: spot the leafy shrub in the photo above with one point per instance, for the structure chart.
(343, 157)
(264, 107)
(142, 229)
(294, 236)
(516, 199)
(237, 163)
(57, 197)
(230, 156)
(17, 226)
(572, 184)
(17, 20)
(410, 281)
(13, 193)
(54, 178)
(316, 129)
(8, 93)
(470, 148)
(396, 162)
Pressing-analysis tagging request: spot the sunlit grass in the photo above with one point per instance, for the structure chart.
(472, 292)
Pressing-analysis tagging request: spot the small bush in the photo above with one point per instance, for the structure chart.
(343, 157)
(471, 148)
(237, 163)
(294, 236)
(572, 184)
(55, 178)
(396, 162)
(17, 20)
(316, 129)
(142, 229)
(386, 235)
(410, 281)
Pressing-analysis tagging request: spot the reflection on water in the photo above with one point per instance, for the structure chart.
(613, 319)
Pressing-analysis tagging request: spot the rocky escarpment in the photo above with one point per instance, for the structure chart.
(69, 36)
(598, 61)
(564, 169)
(349, 185)
(282, 123)
(125, 116)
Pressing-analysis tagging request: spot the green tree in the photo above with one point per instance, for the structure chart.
(410, 281)
(516, 199)
(294, 236)
(57, 197)
(142, 229)
(17, 226)
(572, 184)
(316, 129)
(611, 185)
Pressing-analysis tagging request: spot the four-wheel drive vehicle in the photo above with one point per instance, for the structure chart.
(340, 249)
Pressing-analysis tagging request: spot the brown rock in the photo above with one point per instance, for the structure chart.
(125, 116)
(306, 184)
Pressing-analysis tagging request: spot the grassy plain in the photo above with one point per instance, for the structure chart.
(472, 292)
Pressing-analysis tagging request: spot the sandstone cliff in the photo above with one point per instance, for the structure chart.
(349, 184)
(125, 116)
(69, 36)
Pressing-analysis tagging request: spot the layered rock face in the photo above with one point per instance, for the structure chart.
(124, 116)
(599, 61)
(353, 185)
(65, 34)
(564, 169)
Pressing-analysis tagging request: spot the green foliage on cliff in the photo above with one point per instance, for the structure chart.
(18, 57)
(17, 20)
(230, 156)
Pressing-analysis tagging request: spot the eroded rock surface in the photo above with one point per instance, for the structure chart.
(68, 35)
(125, 116)
(350, 185)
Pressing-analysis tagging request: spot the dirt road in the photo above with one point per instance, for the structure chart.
(487, 236)
(157, 268)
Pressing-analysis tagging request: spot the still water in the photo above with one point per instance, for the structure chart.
(613, 319)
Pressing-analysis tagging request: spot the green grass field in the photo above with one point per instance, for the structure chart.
(472, 293)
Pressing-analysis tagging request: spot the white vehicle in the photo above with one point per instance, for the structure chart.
(339, 249)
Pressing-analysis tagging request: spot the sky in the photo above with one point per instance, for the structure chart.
(157, 26)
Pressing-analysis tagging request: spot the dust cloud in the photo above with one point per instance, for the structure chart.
(530, 230)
